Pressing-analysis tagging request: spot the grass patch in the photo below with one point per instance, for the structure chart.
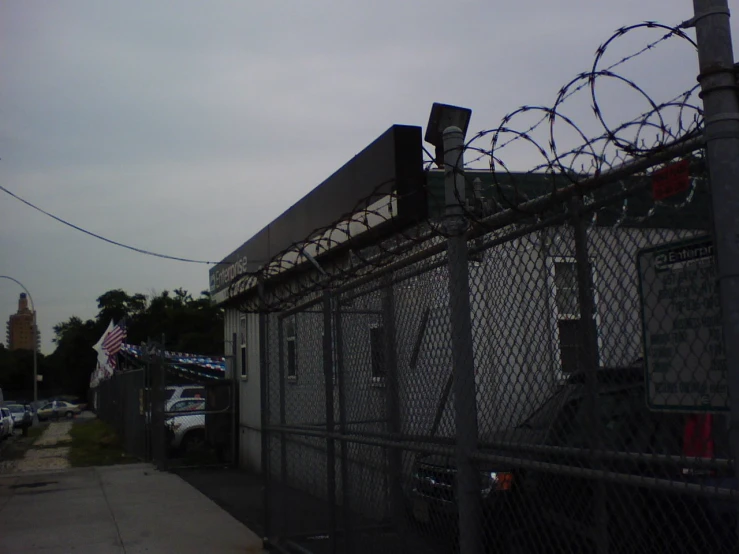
(95, 443)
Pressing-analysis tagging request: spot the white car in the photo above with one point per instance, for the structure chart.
(6, 423)
(175, 392)
(187, 431)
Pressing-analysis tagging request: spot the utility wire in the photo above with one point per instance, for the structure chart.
(110, 241)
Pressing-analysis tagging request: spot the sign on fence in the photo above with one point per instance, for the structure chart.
(671, 180)
(681, 318)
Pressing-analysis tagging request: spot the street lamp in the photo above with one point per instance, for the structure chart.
(35, 337)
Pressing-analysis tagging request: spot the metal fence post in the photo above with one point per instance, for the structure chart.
(394, 456)
(463, 363)
(589, 362)
(264, 399)
(158, 407)
(235, 413)
(283, 510)
(328, 373)
(721, 108)
(344, 455)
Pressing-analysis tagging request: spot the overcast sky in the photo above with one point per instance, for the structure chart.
(186, 127)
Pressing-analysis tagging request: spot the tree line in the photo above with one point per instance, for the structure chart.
(186, 323)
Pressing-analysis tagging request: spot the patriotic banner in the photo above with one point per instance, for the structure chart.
(107, 348)
(112, 342)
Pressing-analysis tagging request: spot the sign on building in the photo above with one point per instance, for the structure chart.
(681, 318)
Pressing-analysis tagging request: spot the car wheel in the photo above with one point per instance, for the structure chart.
(69, 415)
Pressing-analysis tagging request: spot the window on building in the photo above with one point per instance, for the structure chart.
(291, 351)
(377, 352)
(567, 314)
(244, 362)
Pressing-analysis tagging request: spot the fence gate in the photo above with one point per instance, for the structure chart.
(191, 413)
(168, 412)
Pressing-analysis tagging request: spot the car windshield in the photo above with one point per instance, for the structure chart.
(16, 408)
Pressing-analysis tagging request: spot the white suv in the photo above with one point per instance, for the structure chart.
(175, 392)
(6, 423)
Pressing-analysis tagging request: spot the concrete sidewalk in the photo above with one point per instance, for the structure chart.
(127, 508)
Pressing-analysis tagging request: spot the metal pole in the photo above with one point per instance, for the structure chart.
(344, 455)
(265, 419)
(328, 373)
(721, 109)
(35, 353)
(394, 455)
(463, 364)
(589, 361)
(284, 501)
(235, 400)
(35, 337)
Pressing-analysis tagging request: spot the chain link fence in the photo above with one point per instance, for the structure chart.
(577, 443)
(168, 413)
(122, 403)
(538, 367)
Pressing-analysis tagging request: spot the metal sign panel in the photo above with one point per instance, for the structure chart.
(681, 318)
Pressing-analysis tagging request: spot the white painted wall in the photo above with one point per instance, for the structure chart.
(250, 423)
(515, 353)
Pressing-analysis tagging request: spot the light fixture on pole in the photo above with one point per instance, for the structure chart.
(442, 117)
(446, 131)
(35, 337)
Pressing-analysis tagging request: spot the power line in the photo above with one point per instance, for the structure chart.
(109, 241)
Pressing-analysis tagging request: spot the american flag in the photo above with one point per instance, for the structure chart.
(112, 343)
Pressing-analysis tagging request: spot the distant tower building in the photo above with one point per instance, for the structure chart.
(20, 327)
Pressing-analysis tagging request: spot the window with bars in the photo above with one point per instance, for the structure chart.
(377, 352)
(567, 314)
(291, 351)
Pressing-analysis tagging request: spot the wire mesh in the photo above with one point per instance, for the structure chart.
(541, 372)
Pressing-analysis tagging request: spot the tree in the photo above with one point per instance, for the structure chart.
(117, 304)
(187, 324)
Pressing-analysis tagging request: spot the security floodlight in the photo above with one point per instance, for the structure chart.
(443, 116)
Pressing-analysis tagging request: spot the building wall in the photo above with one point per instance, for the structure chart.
(515, 343)
(247, 378)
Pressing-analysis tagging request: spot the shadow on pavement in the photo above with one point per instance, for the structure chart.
(240, 493)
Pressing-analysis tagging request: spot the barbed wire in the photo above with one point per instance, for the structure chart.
(373, 234)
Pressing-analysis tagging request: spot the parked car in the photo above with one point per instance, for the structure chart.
(21, 415)
(175, 392)
(57, 409)
(6, 423)
(556, 509)
(186, 432)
